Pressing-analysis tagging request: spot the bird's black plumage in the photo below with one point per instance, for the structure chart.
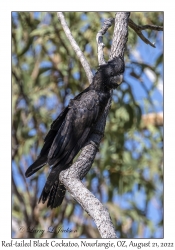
(72, 128)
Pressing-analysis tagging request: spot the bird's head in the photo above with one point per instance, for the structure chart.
(111, 73)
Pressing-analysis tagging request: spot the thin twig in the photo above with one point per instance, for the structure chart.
(99, 38)
(138, 28)
(53, 61)
(21, 200)
(148, 26)
(75, 46)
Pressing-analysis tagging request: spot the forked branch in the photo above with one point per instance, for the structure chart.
(139, 28)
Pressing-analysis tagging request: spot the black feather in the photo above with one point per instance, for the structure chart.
(38, 164)
(72, 128)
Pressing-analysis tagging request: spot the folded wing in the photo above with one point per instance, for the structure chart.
(70, 138)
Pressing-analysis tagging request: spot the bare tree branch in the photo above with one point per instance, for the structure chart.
(147, 26)
(138, 28)
(99, 38)
(84, 197)
(120, 35)
(75, 46)
(72, 176)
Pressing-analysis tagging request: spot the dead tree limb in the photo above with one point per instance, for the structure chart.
(75, 46)
(138, 28)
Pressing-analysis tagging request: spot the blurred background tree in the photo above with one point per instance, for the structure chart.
(127, 175)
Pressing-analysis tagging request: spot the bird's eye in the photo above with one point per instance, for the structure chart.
(111, 74)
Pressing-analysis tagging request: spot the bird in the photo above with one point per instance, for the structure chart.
(72, 128)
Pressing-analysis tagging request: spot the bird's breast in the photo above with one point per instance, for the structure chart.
(103, 99)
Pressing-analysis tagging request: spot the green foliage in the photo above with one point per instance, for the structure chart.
(45, 74)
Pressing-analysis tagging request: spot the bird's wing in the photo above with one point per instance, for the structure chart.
(75, 129)
(55, 126)
(42, 158)
(71, 136)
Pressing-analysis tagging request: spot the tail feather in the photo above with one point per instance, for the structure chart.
(61, 190)
(44, 195)
(55, 195)
(52, 194)
(53, 191)
(39, 163)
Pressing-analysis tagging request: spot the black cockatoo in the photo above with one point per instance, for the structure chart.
(72, 128)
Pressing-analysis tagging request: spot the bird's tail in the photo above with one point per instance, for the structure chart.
(53, 190)
(55, 195)
(39, 163)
